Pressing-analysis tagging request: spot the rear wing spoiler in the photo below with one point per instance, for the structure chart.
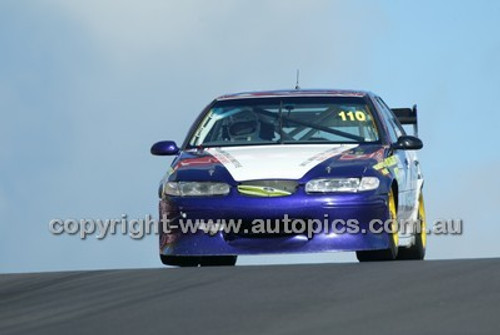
(407, 116)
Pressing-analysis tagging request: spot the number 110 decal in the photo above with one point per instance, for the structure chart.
(352, 116)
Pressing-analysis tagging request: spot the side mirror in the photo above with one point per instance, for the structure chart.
(164, 148)
(408, 143)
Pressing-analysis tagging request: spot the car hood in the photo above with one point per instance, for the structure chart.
(274, 161)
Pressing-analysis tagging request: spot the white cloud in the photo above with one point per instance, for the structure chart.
(267, 37)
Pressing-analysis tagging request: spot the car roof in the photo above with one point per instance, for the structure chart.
(294, 93)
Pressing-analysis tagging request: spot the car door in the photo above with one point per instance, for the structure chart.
(401, 168)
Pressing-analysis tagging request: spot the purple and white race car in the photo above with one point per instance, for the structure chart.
(294, 171)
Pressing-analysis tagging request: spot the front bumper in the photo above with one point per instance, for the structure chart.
(362, 207)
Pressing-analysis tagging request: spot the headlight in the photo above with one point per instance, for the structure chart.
(195, 189)
(342, 185)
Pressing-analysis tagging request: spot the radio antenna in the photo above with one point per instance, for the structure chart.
(297, 87)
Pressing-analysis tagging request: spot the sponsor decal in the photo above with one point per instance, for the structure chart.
(322, 156)
(354, 155)
(225, 157)
(389, 162)
(197, 161)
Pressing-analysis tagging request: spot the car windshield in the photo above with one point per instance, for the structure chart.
(292, 120)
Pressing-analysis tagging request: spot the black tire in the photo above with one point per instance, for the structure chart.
(386, 254)
(378, 255)
(194, 261)
(417, 250)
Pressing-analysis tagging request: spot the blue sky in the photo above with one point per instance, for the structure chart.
(87, 86)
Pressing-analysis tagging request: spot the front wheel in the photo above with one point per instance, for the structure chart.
(416, 251)
(392, 252)
(194, 261)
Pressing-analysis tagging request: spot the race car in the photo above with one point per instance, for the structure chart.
(293, 171)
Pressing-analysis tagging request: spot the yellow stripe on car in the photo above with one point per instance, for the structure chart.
(388, 162)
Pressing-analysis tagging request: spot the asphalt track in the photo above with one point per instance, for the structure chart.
(430, 297)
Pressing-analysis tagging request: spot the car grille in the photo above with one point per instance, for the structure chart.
(268, 188)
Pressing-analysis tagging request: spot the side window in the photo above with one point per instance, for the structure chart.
(393, 134)
(397, 126)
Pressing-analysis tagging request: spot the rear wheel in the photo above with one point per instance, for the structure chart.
(392, 252)
(417, 250)
(193, 261)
